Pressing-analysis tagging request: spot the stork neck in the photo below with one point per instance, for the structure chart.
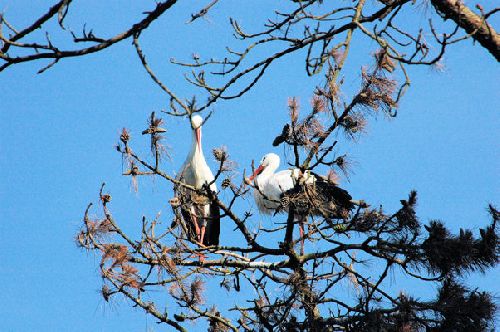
(196, 146)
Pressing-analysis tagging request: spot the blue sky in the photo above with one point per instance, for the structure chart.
(57, 133)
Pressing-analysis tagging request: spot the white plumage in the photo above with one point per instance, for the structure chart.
(272, 184)
(329, 201)
(198, 211)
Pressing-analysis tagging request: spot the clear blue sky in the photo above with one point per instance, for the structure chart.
(57, 133)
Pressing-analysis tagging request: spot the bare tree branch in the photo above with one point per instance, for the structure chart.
(474, 24)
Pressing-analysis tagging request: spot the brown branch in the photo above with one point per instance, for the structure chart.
(472, 23)
(153, 76)
(36, 25)
(147, 306)
(57, 54)
(203, 11)
(262, 65)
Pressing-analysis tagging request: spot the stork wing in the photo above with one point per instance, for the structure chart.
(332, 192)
(320, 197)
(278, 184)
(213, 226)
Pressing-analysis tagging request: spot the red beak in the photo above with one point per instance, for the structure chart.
(256, 172)
(198, 137)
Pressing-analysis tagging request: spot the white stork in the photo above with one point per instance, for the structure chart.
(270, 188)
(197, 210)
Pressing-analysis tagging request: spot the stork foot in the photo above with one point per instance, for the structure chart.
(301, 232)
(201, 257)
(196, 227)
(200, 244)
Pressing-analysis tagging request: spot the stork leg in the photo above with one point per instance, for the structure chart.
(206, 212)
(199, 233)
(202, 233)
(302, 220)
(194, 218)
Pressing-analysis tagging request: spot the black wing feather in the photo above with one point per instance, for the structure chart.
(213, 226)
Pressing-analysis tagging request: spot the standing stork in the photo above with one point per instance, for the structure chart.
(315, 194)
(201, 215)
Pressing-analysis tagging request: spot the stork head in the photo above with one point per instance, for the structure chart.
(196, 122)
(270, 161)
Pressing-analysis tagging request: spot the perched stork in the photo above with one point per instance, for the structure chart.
(315, 195)
(201, 216)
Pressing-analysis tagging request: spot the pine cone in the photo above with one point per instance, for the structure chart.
(226, 183)
(175, 202)
(106, 198)
(285, 201)
(124, 136)
(219, 154)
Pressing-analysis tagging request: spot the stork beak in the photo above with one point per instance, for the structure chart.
(256, 172)
(198, 137)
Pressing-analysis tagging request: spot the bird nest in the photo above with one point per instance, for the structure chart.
(322, 198)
